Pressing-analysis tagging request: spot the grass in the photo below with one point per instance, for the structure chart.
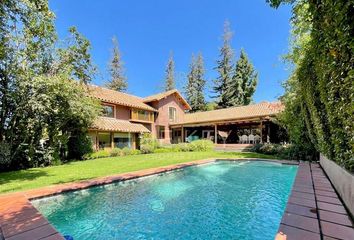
(82, 170)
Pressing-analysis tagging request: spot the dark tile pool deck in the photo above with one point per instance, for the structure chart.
(314, 210)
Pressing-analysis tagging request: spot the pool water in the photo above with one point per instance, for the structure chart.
(222, 200)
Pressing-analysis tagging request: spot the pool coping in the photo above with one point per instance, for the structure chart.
(19, 219)
(314, 209)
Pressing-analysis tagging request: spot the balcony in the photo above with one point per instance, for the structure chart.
(142, 116)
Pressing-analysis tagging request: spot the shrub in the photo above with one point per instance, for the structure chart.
(128, 151)
(201, 146)
(98, 154)
(147, 149)
(290, 151)
(79, 146)
(148, 143)
(115, 152)
(4, 155)
(182, 147)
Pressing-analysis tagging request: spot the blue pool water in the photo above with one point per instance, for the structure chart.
(222, 200)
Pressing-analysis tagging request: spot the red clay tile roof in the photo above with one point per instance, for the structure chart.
(262, 109)
(120, 98)
(162, 95)
(116, 125)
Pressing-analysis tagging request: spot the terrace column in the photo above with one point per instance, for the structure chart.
(112, 140)
(216, 134)
(261, 126)
(182, 133)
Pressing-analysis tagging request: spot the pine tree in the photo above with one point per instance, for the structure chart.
(224, 68)
(244, 82)
(118, 81)
(170, 74)
(196, 84)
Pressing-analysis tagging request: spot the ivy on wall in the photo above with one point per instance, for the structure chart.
(323, 75)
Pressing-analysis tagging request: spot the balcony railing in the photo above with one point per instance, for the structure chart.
(142, 115)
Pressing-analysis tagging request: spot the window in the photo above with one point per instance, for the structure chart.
(108, 111)
(104, 140)
(161, 132)
(122, 140)
(172, 114)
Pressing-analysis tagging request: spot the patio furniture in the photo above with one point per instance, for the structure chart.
(251, 138)
(257, 139)
(244, 138)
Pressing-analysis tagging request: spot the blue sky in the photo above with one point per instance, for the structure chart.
(148, 31)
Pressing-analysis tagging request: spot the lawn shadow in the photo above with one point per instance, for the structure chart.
(29, 174)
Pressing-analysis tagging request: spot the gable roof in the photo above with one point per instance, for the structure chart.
(262, 109)
(113, 124)
(159, 96)
(120, 98)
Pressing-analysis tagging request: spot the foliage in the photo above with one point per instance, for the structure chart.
(115, 152)
(201, 145)
(224, 68)
(98, 154)
(128, 151)
(236, 83)
(5, 153)
(79, 145)
(211, 106)
(170, 74)
(148, 143)
(196, 84)
(76, 57)
(290, 151)
(322, 79)
(118, 81)
(41, 106)
(244, 82)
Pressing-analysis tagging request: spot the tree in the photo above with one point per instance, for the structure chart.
(170, 74)
(196, 84)
(244, 82)
(76, 55)
(322, 79)
(118, 79)
(41, 105)
(225, 69)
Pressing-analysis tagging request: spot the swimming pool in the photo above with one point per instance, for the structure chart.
(221, 200)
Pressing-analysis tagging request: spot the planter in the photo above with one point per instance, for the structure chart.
(342, 180)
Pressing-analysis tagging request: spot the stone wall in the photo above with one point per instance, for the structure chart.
(342, 180)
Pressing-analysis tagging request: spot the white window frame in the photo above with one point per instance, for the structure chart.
(175, 114)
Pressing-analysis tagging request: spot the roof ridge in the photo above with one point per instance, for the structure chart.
(128, 94)
(234, 107)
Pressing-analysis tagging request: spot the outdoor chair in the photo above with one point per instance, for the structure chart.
(251, 138)
(244, 139)
(257, 139)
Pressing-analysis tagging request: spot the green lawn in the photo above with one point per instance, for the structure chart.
(81, 170)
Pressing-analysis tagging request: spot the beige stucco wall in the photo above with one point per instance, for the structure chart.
(342, 180)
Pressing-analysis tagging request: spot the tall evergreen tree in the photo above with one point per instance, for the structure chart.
(244, 82)
(170, 74)
(196, 84)
(118, 81)
(224, 68)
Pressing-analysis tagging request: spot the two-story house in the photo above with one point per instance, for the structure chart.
(125, 117)
(165, 116)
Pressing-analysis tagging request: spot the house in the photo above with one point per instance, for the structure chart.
(165, 116)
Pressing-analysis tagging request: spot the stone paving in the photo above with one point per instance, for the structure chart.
(314, 210)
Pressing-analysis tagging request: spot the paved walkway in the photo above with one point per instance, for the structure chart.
(314, 210)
